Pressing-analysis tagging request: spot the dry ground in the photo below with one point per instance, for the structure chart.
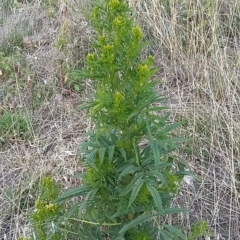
(196, 45)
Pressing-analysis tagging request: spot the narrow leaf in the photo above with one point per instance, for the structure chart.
(175, 210)
(85, 106)
(102, 154)
(80, 191)
(97, 108)
(161, 120)
(90, 158)
(129, 169)
(122, 151)
(156, 197)
(156, 153)
(159, 176)
(126, 190)
(132, 115)
(169, 129)
(188, 173)
(166, 235)
(147, 101)
(82, 207)
(135, 191)
(104, 141)
(155, 109)
(71, 211)
(110, 153)
(138, 176)
(130, 186)
(170, 140)
(140, 219)
(174, 230)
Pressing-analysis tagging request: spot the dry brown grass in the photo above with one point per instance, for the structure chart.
(199, 70)
(57, 125)
(201, 75)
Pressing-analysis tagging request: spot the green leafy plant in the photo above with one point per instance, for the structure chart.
(43, 217)
(51, 6)
(13, 126)
(199, 229)
(131, 175)
(62, 36)
(13, 41)
(5, 66)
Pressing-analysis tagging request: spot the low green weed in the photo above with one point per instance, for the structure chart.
(199, 229)
(5, 66)
(12, 42)
(45, 211)
(62, 36)
(51, 6)
(46, 214)
(14, 126)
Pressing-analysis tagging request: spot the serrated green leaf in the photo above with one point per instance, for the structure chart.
(130, 186)
(80, 191)
(188, 173)
(174, 230)
(110, 153)
(139, 220)
(138, 176)
(132, 115)
(123, 153)
(90, 158)
(104, 141)
(175, 210)
(71, 211)
(126, 190)
(122, 210)
(158, 175)
(129, 169)
(166, 235)
(156, 197)
(135, 191)
(156, 153)
(102, 154)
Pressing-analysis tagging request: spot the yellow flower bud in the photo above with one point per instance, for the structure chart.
(143, 69)
(113, 4)
(118, 21)
(95, 13)
(118, 97)
(150, 58)
(101, 39)
(137, 32)
(107, 48)
(91, 56)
